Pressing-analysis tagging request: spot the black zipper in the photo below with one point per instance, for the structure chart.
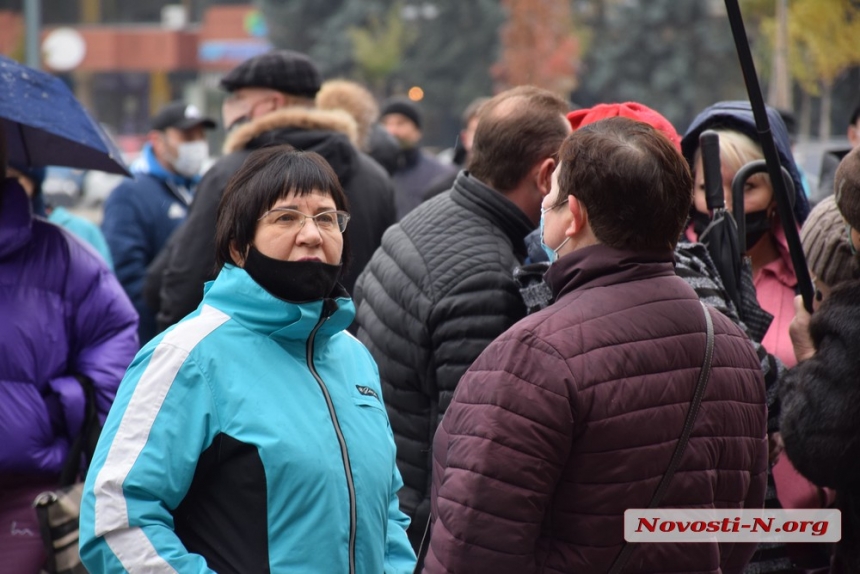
(329, 307)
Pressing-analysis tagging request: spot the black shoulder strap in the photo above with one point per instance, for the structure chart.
(692, 413)
(85, 442)
(425, 545)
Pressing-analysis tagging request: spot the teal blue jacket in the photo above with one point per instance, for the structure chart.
(86, 230)
(249, 437)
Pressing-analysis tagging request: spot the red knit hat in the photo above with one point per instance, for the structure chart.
(632, 110)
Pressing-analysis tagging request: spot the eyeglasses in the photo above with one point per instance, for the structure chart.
(292, 220)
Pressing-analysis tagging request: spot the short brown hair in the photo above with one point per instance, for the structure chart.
(516, 129)
(268, 175)
(635, 185)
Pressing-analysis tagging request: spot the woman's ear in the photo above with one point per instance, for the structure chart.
(771, 209)
(237, 258)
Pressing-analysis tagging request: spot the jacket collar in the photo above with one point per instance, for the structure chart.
(488, 203)
(600, 265)
(782, 268)
(235, 293)
(292, 117)
(16, 220)
(408, 157)
(148, 164)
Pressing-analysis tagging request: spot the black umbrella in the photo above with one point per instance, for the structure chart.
(783, 203)
(738, 183)
(721, 235)
(755, 318)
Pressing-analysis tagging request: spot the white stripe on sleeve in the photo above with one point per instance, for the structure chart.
(136, 553)
(111, 509)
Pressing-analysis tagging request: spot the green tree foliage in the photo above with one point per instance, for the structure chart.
(319, 28)
(822, 48)
(378, 48)
(454, 44)
(451, 59)
(675, 56)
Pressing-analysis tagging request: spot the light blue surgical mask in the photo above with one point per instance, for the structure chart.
(552, 254)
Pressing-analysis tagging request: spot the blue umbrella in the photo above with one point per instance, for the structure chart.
(45, 125)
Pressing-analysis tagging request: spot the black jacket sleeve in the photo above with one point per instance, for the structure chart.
(154, 274)
(424, 335)
(191, 258)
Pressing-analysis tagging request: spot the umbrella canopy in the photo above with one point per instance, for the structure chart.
(45, 125)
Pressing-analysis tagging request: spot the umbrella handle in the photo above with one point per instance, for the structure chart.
(786, 215)
(709, 146)
(738, 183)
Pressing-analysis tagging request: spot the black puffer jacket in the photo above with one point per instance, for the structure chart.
(191, 259)
(820, 426)
(435, 294)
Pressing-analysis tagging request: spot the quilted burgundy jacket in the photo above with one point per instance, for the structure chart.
(572, 415)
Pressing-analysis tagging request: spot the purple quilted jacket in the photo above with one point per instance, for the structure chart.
(62, 313)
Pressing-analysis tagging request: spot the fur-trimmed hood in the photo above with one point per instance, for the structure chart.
(307, 119)
(330, 133)
(354, 99)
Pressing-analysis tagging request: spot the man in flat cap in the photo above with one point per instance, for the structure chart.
(142, 213)
(271, 101)
(416, 170)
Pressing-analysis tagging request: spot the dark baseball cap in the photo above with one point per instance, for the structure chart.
(286, 71)
(181, 116)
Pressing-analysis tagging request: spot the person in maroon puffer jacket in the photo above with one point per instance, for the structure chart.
(571, 416)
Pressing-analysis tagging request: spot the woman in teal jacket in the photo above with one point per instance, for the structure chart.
(252, 436)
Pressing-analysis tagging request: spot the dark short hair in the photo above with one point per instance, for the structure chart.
(635, 185)
(516, 130)
(268, 175)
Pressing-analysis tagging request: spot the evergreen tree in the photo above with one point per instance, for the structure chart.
(677, 57)
(454, 45)
(451, 60)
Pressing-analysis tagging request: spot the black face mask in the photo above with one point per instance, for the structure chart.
(757, 223)
(292, 281)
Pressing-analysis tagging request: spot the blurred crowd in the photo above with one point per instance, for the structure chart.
(327, 349)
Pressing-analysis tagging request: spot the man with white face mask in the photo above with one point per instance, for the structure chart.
(142, 212)
(270, 100)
